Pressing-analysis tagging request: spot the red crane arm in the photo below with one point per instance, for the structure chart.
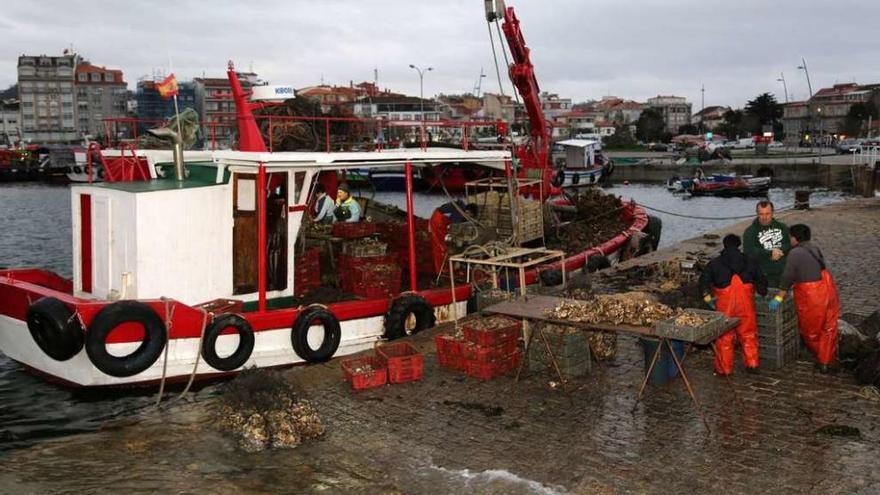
(522, 73)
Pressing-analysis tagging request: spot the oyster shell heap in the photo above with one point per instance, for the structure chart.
(688, 319)
(264, 410)
(636, 309)
(494, 322)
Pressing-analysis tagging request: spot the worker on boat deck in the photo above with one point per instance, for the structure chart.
(729, 283)
(324, 206)
(767, 240)
(347, 209)
(815, 296)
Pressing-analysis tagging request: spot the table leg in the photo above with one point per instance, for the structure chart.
(593, 350)
(527, 345)
(687, 382)
(552, 356)
(648, 374)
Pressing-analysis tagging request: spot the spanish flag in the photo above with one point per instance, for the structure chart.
(168, 87)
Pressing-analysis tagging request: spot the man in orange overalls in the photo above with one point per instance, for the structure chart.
(815, 296)
(729, 283)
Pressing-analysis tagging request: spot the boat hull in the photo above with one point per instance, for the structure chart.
(272, 348)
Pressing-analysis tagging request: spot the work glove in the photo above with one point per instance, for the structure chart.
(710, 301)
(775, 303)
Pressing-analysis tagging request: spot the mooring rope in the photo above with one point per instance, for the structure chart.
(192, 374)
(697, 217)
(168, 319)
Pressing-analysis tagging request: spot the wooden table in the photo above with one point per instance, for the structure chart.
(537, 307)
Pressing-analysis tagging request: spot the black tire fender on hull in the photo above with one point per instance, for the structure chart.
(400, 311)
(595, 263)
(245, 342)
(55, 329)
(299, 335)
(114, 315)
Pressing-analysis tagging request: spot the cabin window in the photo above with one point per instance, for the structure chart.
(246, 200)
(299, 189)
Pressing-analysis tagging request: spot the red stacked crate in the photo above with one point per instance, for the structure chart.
(365, 372)
(376, 280)
(491, 349)
(346, 265)
(449, 352)
(396, 235)
(403, 361)
(353, 230)
(307, 272)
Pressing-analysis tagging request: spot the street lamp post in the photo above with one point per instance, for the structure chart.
(421, 95)
(810, 89)
(807, 73)
(784, 87)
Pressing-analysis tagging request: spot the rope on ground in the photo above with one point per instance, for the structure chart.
(869, 392)
(697, 217)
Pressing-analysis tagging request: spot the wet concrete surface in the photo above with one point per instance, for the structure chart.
(451, 434)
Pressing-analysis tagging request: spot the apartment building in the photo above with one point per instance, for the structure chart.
(676, 111)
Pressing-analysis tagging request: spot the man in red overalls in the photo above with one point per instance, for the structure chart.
(815, 296)
(729, 283)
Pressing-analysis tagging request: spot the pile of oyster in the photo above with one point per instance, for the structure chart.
(365, 247)
(632, 308)
(688, 319)
(264, 411)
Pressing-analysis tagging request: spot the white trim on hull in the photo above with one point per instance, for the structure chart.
(271, 348)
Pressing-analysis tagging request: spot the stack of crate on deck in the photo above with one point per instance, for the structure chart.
(376, 280)
(307, 272)
(367, 271)
(487, 349)
(396, 234)
(494, 211)
(570, 347)
(778, 337)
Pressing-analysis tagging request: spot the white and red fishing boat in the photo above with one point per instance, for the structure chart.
(188, 266)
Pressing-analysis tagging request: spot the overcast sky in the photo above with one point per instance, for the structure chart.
(582, 49)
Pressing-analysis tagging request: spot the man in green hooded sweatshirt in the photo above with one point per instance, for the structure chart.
(766, 240)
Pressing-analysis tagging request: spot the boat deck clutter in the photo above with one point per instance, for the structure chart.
(595, 218)
(264, 410)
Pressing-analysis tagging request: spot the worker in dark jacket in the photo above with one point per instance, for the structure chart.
(729, 283)
(815, 296)
(766, 240)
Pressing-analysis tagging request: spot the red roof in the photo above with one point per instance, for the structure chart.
(86, 67)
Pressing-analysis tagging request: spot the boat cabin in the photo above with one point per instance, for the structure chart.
(199, 239)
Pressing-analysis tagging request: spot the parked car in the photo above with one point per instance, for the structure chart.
(776, 144)
(850, 146)
(658, 147)
(743, 144)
